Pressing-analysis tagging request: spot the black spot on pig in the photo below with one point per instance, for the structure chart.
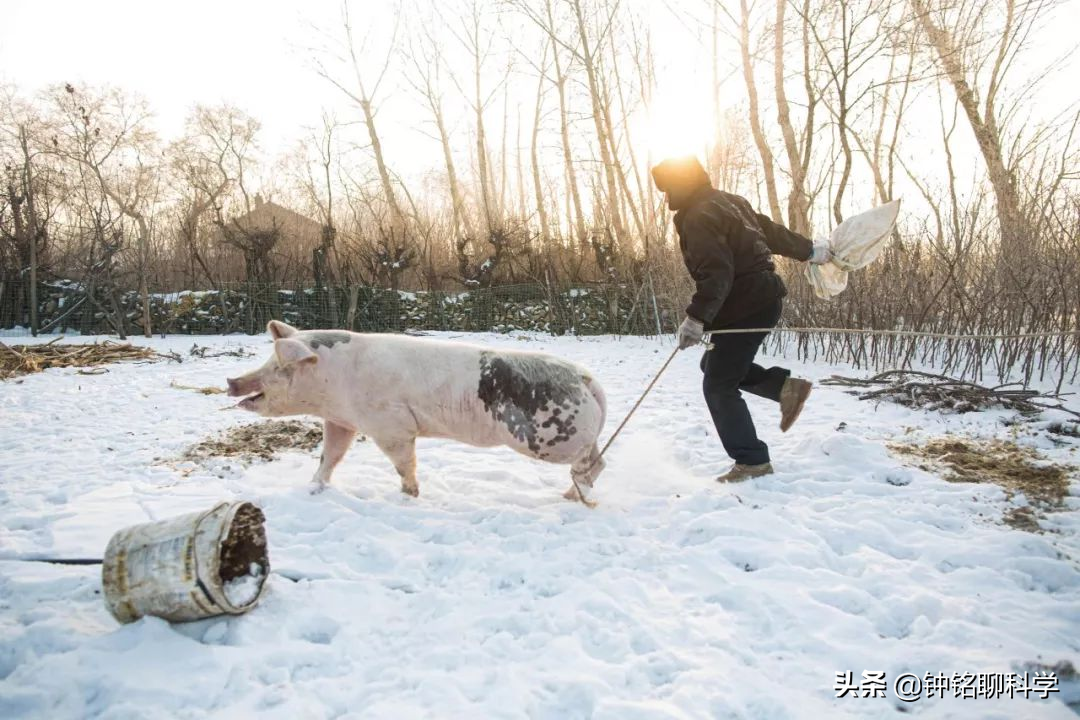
(518, 391)
(326, 338)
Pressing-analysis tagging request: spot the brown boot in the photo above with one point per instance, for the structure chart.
(792, 398)
(744, 472)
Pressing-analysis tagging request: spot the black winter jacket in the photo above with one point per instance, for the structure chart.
(728, 249)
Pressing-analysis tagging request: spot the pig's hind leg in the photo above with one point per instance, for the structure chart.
(583, 473)
(585, 469)
(402, 452)
(336, 441)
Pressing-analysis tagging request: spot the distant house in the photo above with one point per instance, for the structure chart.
(297, 231)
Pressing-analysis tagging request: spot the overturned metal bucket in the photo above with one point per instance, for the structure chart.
(189, 567)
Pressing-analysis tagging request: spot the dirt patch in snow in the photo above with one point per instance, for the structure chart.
(1014, 468)
(258, 441)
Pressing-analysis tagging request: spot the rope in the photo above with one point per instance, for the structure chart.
(54, 561)
(903, 333)
(640, 399)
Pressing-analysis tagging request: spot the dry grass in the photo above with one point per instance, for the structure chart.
(258, 441)
(203, 390)
(18, 360)
(1014, 468)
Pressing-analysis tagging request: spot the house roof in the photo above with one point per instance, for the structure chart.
(266, 214)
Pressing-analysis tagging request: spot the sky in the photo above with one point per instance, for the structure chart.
(175, 54)
(256, 55)
(259, 56)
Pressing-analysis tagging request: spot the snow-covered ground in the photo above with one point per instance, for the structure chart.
(489, 596)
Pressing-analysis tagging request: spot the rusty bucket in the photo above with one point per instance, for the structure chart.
(188, 567)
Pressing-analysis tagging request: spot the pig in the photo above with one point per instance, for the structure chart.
(397, 388)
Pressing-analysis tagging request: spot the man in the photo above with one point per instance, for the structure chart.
(728, 248)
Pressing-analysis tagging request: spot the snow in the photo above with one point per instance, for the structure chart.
(243, 590)
(490, 596)
(174, 297)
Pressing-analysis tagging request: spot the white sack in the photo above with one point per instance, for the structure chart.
(855, 243)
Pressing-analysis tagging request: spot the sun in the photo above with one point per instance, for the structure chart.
(677, 121)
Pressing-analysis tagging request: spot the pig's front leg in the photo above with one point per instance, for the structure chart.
(336, 440)
(402, 452)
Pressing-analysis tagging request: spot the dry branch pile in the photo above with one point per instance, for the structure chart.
(25, 359)
(200, 351)
(916, 389)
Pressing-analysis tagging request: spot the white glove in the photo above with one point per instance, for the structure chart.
(822, 254)
(690, 332)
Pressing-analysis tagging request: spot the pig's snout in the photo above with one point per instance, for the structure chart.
(239, 387)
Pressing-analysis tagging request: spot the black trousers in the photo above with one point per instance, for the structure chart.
(729, 367)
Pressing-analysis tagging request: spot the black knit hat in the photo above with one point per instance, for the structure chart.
(679, 173)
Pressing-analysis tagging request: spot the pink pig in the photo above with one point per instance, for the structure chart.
(396, 388)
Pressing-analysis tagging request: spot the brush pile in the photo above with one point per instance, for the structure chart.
(25, 359)
(928, 391)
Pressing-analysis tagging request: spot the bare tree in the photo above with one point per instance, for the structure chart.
(427, 80)
(25, 169)
(363, 93)
(976, 44)
(534, 153)
(856, 37)
(108, 135)
(560, 81)
(210, 161)
(762, 143)
(478, 42)
(798, 198)
(592, 31)
(322, 191)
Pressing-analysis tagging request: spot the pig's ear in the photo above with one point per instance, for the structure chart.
(291, 351)
(278, 329)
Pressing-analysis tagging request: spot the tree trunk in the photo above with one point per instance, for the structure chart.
(482, 163)
(15, 202)
(755, 115)
(33, 230)
(144, 261)
(811, 106)
(635, 211)
(842, 115)
(568, 156)
(598, 121)
(1014, 230)
(503, 159)
(798, 203)
(396, 215)
(462, 221)
(523, 211)
(541, 203)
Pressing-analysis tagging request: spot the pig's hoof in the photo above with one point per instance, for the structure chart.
(317, 489)
(413, 490)
(572, 494)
